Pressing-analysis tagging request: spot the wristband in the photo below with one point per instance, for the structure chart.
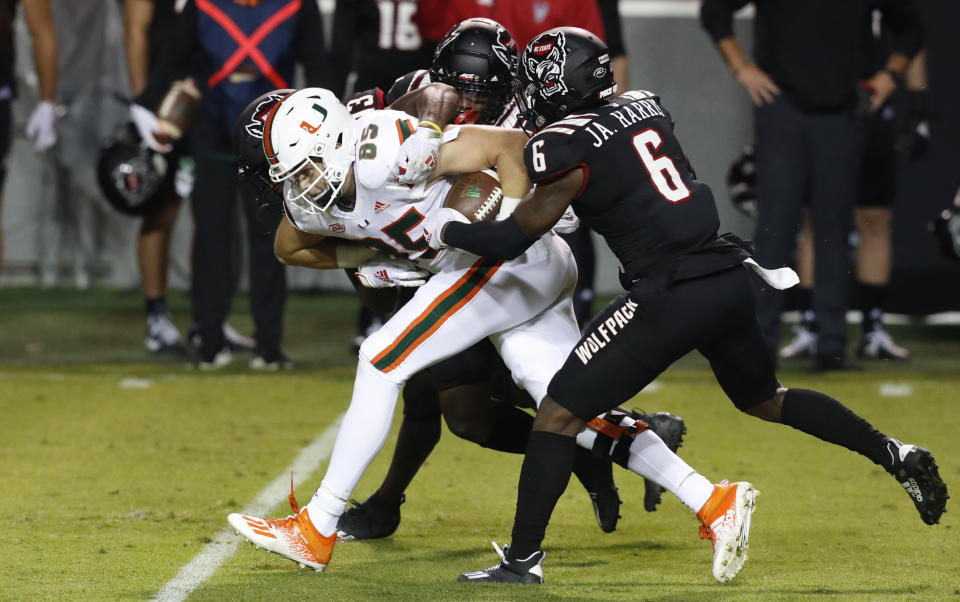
(351, 255)
(431, 124)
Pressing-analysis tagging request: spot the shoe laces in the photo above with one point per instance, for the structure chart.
(293, 498)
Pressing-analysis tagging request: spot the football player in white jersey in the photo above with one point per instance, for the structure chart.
(340, 180)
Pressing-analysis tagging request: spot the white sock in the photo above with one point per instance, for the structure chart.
(652, 459)
(363, 432)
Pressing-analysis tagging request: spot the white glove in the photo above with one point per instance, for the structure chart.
(383, 272)
(433, 225)
(41, 127)
(418, 155)
(568, 222)
(148, 128)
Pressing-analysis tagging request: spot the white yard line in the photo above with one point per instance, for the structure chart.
(224, 544)
(888, 389)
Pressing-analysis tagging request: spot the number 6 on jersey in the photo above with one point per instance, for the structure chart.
(663, 173)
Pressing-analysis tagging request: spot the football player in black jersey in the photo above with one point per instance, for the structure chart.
(617, 161)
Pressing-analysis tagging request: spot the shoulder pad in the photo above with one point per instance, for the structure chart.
(368, 100)
(550, 154)
(381, 134)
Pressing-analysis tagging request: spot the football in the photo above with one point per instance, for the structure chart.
(476, 195)
(176, 111)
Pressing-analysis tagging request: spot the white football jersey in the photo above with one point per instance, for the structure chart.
(386, 216)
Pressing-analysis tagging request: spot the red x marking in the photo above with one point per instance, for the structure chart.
(248, 46)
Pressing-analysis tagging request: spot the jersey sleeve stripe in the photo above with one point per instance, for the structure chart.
(437, 313)
(404, 129)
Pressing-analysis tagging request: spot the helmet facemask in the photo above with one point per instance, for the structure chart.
(315, 137)
(478, 57)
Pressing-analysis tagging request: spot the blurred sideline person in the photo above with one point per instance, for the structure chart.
(808, 138)
(522, 18)
(522, 306)
(239, 50)
(617, 160)
(41, 125)
(377, 40)
(885, 126)
(147, 25)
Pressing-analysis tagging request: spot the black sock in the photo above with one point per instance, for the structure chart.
(543, 479)
(595, 474)
(511, 428)
(808, 318)
(827, 419)
(871, 305)
(156, 305)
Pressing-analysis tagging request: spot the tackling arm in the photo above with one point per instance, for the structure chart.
(436, 103)
(509, 238)
(479, 147)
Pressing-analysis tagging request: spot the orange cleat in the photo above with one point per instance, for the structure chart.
(725, 521)
(293, 537)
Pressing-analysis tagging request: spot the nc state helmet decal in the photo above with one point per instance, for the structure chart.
(546, 61)
(257, 121)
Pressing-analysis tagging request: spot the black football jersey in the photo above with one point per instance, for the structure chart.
(639, 191)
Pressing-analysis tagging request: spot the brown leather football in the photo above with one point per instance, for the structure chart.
(476, 195)
(176, 111)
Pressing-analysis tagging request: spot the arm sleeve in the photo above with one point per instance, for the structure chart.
(716, 17)
(612, 27)
(176, 61)
(308, 46)
(342, 44)
(497, 240)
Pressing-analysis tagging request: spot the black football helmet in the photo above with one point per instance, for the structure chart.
(742, 182)
(130, 175)
(561, 71)
(252, 165)
(478, 57)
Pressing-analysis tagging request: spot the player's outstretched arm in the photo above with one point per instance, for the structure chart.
(509, 238)
(295, 247)
(479, 147)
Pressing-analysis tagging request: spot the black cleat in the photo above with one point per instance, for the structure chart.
(373, 519)
(606, 507)
(916, 471)
(671, 429)
(526, 571)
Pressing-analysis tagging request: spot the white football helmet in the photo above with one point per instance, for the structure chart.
(309, 140)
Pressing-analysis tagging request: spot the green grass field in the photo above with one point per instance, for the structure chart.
(119, 468)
